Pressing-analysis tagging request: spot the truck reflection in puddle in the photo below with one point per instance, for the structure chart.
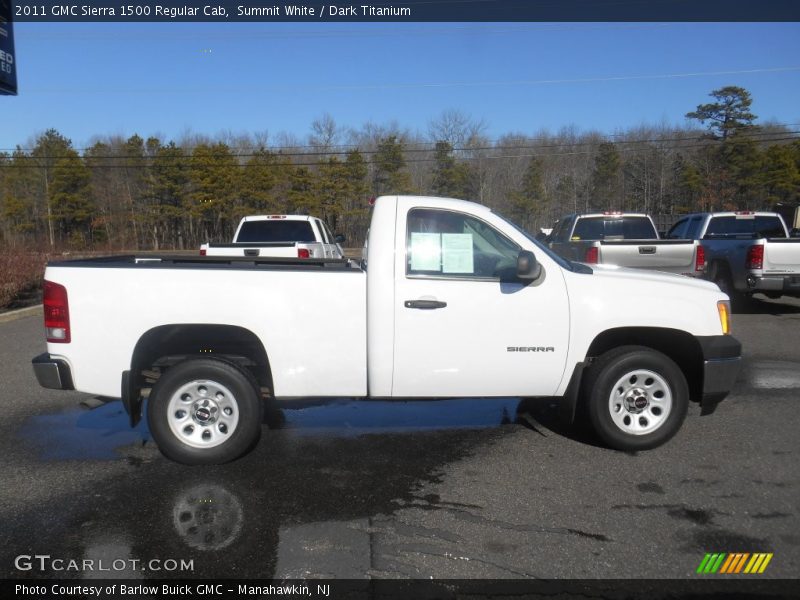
(298, 502)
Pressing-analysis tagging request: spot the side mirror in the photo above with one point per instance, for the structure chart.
(527, 266)
(339, 238)
(794, 233)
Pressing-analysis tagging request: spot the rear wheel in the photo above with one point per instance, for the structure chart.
(722, 277)
(637, 398)
(205, 411)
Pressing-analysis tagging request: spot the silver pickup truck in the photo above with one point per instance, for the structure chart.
(626, 240)
(746, 252)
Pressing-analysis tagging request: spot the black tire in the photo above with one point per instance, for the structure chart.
(641, 363)
(235, 392)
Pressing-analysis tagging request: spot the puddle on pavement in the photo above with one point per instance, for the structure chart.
(772, 374)
(272, 512)
(78, 433)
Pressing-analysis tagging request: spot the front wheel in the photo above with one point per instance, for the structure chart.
(204, 411)
(637, 398)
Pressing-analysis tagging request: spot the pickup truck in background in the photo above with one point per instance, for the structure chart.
(279, 236)
(745, 251)
(626, 240)
(452, 301)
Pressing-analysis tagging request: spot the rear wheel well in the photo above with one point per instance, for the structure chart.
(678, 345)
(167, 345)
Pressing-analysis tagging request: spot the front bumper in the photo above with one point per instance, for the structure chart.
(722, 358)
(52, 373)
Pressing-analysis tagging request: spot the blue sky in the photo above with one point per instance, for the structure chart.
(169, 78)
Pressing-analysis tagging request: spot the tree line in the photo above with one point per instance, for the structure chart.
(138, 193)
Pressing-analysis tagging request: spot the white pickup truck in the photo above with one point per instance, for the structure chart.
(452, 301)
(279, 236)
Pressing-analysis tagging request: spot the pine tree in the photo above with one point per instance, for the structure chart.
(18, 198)
(605, 177)
(261, 176)
(729, 114)
(50, 147)
(390, 176)
(70, 198)
(450, 178)
(781, 174)
(210, 203)
(527, 204)
(167, 195)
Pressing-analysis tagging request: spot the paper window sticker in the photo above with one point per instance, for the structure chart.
(457, 256)
(426, 251)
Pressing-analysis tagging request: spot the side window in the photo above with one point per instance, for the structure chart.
(323, 233)
(328, 235)
(564, 231)
(449, 244)
(678, 231)
(693, 231)
(557, 227)
(770, 227)
(331, 237)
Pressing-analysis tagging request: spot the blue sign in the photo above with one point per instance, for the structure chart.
(8, 69)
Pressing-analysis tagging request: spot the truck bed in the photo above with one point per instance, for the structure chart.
(273, 298)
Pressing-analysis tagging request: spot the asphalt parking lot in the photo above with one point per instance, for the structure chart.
(450, 489)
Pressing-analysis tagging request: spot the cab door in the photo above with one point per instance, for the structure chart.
(464, 326)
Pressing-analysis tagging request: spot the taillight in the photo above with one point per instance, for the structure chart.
(202, 251)
(700, 259)
(592, 255)
(755, 257)
(56, 313)
(303, 253)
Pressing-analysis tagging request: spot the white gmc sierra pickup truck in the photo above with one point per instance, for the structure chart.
(452, 301)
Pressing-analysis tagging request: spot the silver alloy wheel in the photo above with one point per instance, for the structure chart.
(640, 402)
(203, 413)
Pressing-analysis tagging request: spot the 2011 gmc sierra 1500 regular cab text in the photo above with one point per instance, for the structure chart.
(452, 301)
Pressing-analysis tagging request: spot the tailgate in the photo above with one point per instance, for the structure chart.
(782, 255)
(676, 256)
(282, 249)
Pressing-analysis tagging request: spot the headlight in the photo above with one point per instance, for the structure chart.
(724, 310)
